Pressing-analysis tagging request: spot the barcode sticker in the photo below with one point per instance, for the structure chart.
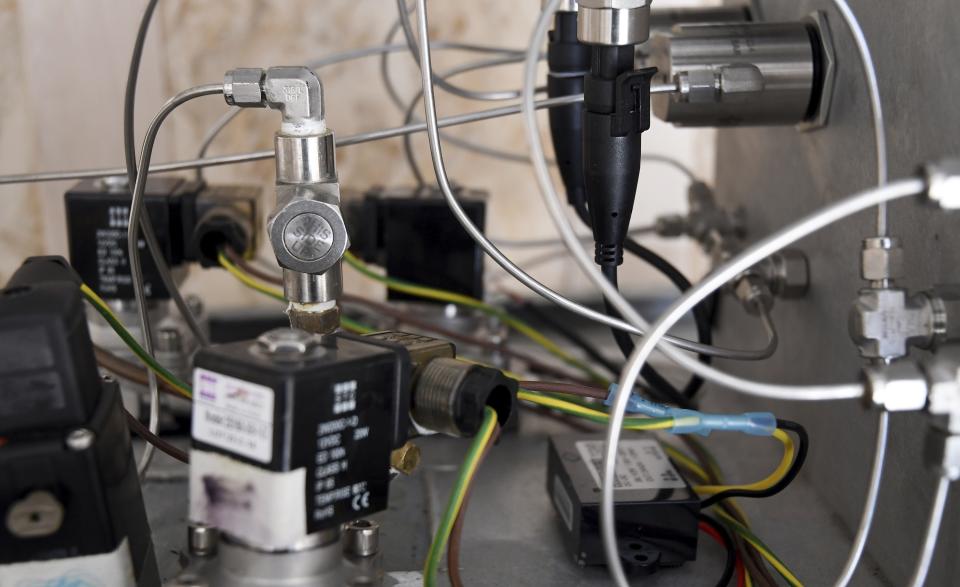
(641, 464)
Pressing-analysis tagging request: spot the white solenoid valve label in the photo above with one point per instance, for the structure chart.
(233, 414)
(641, 464)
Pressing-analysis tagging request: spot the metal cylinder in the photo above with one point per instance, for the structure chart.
(322, 564)
(613, 26)
(361, 538)
(306, 159)
(663, 20)
(740, 74)
(202, 540)
(307, 288)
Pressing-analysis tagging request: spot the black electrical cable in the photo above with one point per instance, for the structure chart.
(130, 95)
(702, 314)
(780, 485)
(663, 389)
(730, 566)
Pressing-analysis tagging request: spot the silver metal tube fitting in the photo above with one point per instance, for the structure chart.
(306, 159)
(943, 183)
(306, 228)
(361, 538)
(741, 74)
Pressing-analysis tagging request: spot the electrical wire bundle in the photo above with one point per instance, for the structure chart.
(621, 316)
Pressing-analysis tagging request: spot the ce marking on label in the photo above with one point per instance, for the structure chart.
(361, 501)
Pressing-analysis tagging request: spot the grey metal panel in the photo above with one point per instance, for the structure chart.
(780, 174)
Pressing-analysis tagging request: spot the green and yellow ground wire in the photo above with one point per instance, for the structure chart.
(760, 547)
(347, 323)
(467, 472)
(101, 306)
(470, 302)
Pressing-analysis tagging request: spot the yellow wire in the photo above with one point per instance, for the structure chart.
(764, 552)
(96, 299)
(576, 409)
(746, 577)
(471, 302)
(769, 481)
(686, 462)
(249, 281)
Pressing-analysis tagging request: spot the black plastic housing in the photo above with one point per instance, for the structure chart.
(339, 447)
(569, 61)
(656, 526)
(416, 238)
(192, 221)
(616, 113)
(48, 375)
(97, 216)
(49, 386)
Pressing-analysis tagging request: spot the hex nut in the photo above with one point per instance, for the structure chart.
(881, 259)
(943, 183)
(900, 387)
(945, 304)
(242, 87)
(287, 341)
(788, 274)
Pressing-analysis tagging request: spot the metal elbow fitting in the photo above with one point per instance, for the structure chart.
(296, 92)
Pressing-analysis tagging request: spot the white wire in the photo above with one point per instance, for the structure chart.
(933, 530)
(876, 104)
(676, 311)
(870, 505)
(882, 226)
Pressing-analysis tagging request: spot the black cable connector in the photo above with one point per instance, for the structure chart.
(616, 113)
(568, 60)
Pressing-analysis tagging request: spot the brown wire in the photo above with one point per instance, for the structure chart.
(135, 373)
(566, 388)
(161, 444)
(405, 318)
(753, 560)
(456, 533)
(128, 370)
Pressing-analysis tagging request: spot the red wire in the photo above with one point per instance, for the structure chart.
(741, 572)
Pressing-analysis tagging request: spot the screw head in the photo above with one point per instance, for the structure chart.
(308, 236)
(80, 439)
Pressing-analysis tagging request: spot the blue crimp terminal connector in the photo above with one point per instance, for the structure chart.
(694, 422)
